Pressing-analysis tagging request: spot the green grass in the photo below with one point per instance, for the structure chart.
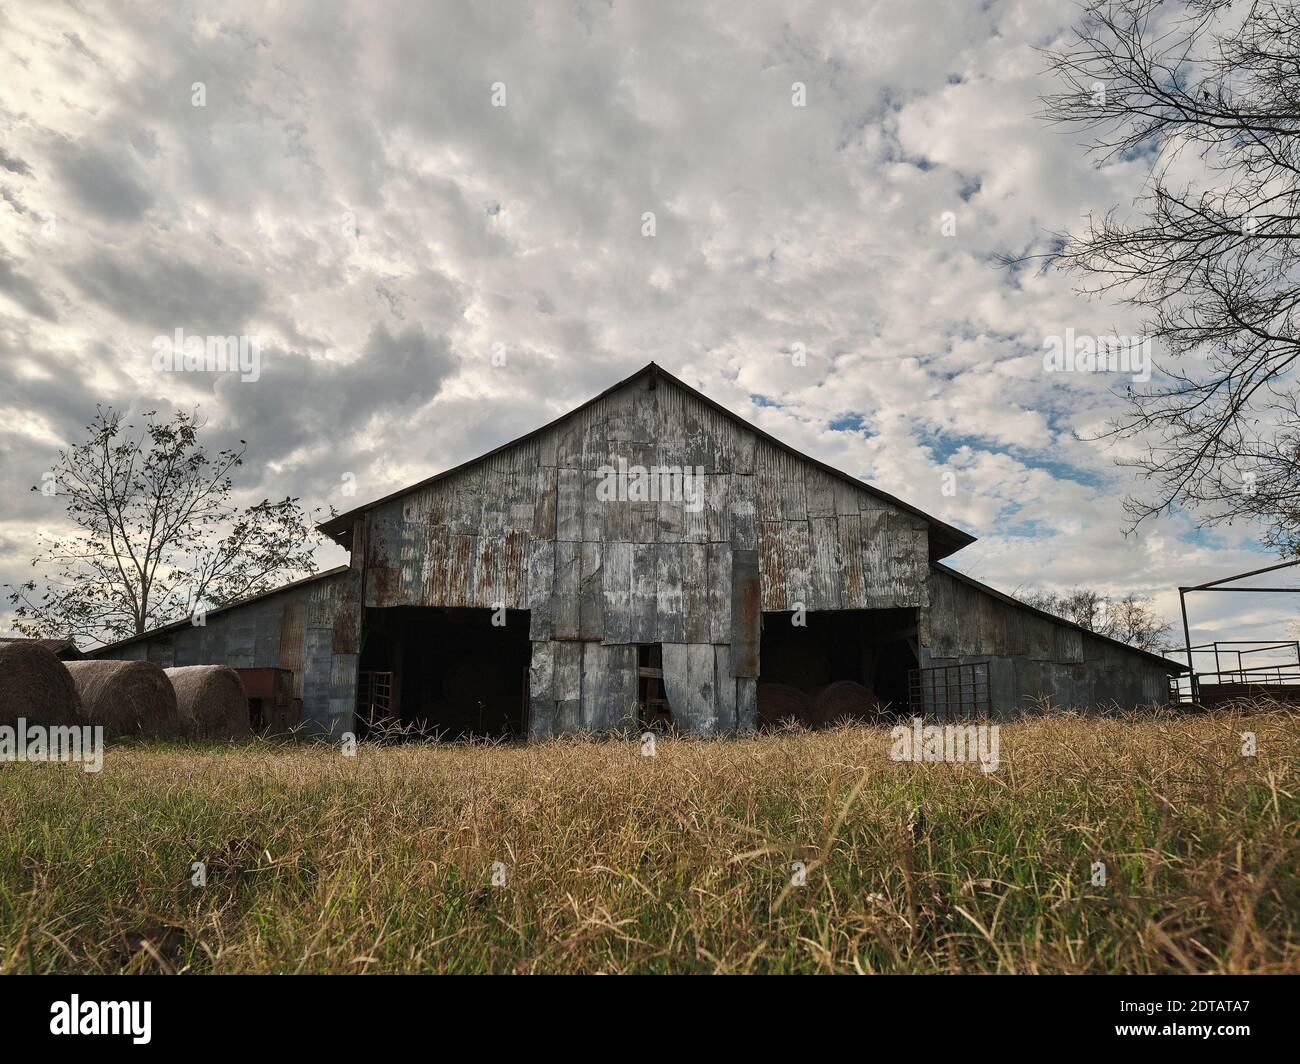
(677, 863)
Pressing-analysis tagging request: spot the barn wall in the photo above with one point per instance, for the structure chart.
(1031, 656)
(311, 628)
(528, 528)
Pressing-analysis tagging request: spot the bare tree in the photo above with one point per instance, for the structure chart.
(1130, 619)
(158, 537)
(1210, 91)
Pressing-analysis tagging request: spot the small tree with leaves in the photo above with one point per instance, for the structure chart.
(157, 538)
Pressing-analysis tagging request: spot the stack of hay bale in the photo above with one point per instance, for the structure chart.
(130, 699)
(35, 685)
(780, 702)
(843, 700)
(212, 701)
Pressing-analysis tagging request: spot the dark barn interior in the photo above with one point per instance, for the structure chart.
(445, 672)
(861, 657)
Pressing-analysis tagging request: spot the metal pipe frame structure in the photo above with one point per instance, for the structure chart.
(1213, 585)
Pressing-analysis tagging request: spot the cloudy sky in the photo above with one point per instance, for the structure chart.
(349, 194)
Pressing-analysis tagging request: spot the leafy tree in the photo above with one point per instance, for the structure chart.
(1209, 91)
(157, 535)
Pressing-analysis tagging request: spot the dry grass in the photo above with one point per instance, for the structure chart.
(617, 862)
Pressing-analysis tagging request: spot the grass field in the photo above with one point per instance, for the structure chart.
(615, 862)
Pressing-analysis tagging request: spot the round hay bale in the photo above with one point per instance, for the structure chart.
(35, 685)
(211, 700)
(841, 699)
(128, 698)
(778, 702)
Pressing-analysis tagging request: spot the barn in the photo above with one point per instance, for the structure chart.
(649, 557)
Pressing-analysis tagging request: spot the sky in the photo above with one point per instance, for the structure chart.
(433, 219)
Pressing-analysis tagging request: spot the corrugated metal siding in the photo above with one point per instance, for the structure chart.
(1033, 658)
(525, 527)
(313, 629)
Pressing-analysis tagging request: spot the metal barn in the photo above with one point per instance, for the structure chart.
(648, 557)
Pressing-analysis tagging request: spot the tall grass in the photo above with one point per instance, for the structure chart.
(682, 862)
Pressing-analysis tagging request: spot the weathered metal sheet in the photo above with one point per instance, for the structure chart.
(609, 687)
(826, 564)
(541, 691)
(568, 506)
(671, 624)
(591, 595)
(689, 684)
(541, 578)
(568, 687)
(616, 585)
(796, 549)
(746, 613)
(724, 689)
(695, 592)
(746, 704)
(719, 593)
(566, 594)
(771, 553)
(742, 502)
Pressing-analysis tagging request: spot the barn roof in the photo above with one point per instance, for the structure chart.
(1172, 666)
(57, 647)
(185, 623)
(945, 539)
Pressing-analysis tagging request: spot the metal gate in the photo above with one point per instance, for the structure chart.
(374, 697)
(950, 692)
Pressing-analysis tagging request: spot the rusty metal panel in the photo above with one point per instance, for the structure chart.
(544, 515)
(347, 616)
(488, 589)
(435, 574)
(291, 642)
(460, 575)
(771, 553)
(746, 613)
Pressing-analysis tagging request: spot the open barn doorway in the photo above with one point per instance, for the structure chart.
(449, 673)
(838, 664)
